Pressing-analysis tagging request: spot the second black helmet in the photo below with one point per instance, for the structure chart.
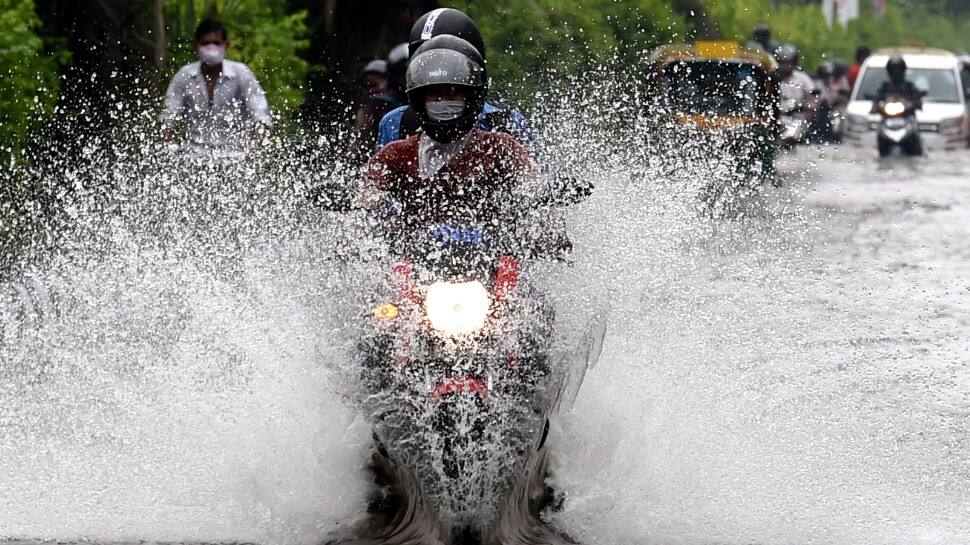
(446, 21)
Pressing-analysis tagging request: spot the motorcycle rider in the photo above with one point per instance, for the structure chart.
(861, 54)
(451, 168)
(761, 38)
(391, 95)
(833, 94)
(898, 85)
(219, 100)
(403, 121)
(796, 88)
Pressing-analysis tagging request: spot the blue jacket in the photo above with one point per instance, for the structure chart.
(492, 118)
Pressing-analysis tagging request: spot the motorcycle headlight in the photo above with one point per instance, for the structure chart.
(457, 308)
(894, 108)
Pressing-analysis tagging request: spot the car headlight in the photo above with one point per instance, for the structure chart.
(457, 308)
(894, 108)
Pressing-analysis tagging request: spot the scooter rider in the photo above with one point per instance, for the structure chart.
(220, 101)
(761, 38)
(403, 122)
(898, 85)
(450, 168)
(795, 86)
(391, 95)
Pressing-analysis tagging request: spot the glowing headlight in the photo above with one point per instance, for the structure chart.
(894, 108)
(457, 309)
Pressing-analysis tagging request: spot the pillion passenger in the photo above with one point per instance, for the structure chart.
(219, 101)
(451, 171)
(403, 121)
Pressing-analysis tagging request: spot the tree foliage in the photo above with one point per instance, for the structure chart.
(29, 86)
(531, 40)
(262, 34)
(923, 22)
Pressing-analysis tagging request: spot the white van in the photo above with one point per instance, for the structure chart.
(944, 122)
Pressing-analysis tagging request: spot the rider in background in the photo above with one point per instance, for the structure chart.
(220, 101)
(861, 54)
(761, 38)
(375, 75)
(796, 88)
(898, 85)
(403, 122)
(832, 87)
(377, 102)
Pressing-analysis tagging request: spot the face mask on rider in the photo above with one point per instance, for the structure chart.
(445, 110)
(211, 53)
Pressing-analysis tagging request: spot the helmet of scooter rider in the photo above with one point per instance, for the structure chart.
(839, 68)
(446, 21)
(826, 71)
(397, 65)
(896, 68)
(788, 53)
(761, 33)
(452, 64)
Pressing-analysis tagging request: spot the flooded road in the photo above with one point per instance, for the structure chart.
(802, 379)
(800, 376)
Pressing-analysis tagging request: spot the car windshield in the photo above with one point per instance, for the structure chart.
(712, 87)
(939, 84)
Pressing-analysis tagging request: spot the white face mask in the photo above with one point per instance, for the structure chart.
(211, 54)
(445, 110)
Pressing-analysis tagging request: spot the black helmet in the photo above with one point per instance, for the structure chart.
(787, 53)
(397, 66)
(761, 33)
(448, 21)
(826, 70)
(839, 68)
(447, 60)
(896, 67)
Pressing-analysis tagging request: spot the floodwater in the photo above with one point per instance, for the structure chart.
(797, 376)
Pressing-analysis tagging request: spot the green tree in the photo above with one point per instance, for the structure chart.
(906, 22)
(530, 41)
(28, 75)
(262, 34)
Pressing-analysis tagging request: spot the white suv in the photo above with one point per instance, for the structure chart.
(944, 122)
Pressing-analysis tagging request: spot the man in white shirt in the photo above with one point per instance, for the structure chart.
(220, 101)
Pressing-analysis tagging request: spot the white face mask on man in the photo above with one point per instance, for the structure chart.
(212, 53)
(445, 110)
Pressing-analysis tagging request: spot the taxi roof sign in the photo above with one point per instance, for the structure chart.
(719, 49)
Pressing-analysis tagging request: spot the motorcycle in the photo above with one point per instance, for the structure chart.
(794, 124)
(460, 386)
(898, 132)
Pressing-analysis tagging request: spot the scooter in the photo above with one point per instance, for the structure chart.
(794, 124)
(898, 131)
